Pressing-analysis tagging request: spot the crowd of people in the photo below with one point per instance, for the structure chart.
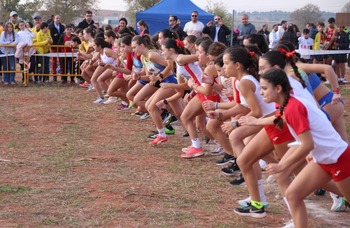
(258, 103)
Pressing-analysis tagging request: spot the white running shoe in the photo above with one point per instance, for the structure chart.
(338, 202)
(111, 100)
(289, 224)
(99, 100)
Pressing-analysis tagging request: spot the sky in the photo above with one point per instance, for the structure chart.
(248, 5)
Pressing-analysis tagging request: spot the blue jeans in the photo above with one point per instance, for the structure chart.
(8, 64)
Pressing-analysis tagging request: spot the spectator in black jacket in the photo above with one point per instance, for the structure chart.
(174, 26)
(87, 21)
(217, 30)
(56, 30)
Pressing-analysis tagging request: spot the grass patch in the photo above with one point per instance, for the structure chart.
(10, 189)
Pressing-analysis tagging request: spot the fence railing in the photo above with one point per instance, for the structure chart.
(34, 64)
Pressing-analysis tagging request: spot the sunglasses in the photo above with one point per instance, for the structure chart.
(217, 19)
(194, 15)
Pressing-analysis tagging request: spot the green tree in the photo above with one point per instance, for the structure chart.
(346, 8)
(135, 6)
(24, 10)
(219, 8)
(69, 10)
(308, 13)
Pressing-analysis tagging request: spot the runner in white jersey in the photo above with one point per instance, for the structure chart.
(330, 154)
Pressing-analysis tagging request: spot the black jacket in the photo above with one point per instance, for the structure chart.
(180, 32)
(223, 32)
(83, 24)
(55, 34)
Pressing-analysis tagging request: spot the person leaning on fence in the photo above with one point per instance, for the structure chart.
(43, 39)
(8, 37)
(35, 29)
(56, 30)
(24, 49)
(67, 63)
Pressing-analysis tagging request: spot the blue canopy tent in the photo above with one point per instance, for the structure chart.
(157, 16)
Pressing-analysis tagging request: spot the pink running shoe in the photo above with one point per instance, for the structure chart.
(193, 153)
(84, 85)
(159, 140)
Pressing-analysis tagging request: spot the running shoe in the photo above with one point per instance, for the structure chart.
(159, 140)
(84, 85)
(338, 202)
(99, 100)
(145, 116)
(226, 159)
(193, 152)
(230, 171)
(122, 107)
(169, 130)
(111, 100)
(246, 202)
(250, 211)
(238, 182)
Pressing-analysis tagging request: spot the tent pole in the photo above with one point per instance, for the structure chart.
(233, 26)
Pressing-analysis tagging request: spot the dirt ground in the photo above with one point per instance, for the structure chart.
(66, 162)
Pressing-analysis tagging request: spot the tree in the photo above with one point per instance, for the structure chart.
(218, 8)
(24, 10)
(69, 10)
(308, 13)
(135, 6)
(346, 8)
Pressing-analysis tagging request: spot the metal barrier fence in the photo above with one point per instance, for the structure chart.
(38, 65)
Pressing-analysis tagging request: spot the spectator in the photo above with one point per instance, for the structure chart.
(8, 37)
(14, 20)
(257, 40)
(142, 26)
(312, 28)
(329, 33)
(264, 31)
(305, 43)
(87, 20)
(194, 27)
(319, 40)
(24, 46)
(341, 42)
(49, 21)
(217, 31)
(43, 38)
(282, 28)
(274, 39)
(56, 30)
(123, 23)
(290, 35)
(245, 28)
(36, 28)
(174, 26)
(67, 62)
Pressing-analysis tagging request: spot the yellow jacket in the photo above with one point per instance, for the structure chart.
(42, 39)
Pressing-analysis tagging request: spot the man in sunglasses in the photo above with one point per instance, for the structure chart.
(217, 30)
(194, 27)
(174, 26)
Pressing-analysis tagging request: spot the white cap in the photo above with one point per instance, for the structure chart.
(13, 13)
